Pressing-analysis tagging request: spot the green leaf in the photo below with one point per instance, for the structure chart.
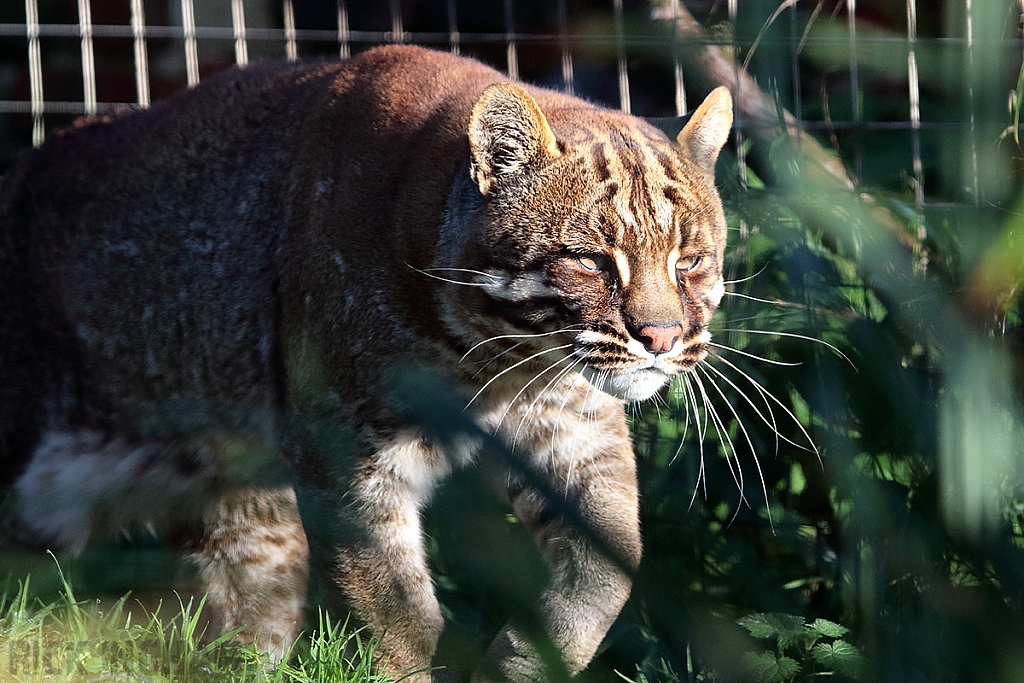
(802, 636)
(767, 668)
(788, 628)
(759, 625)
(829, 629)
(840, 657)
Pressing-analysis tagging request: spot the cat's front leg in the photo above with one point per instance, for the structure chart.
(366, 544)
(252, 563)
(586, 524)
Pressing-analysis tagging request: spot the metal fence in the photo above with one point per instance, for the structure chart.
(897, 88)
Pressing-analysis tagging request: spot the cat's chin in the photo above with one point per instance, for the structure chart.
(629, 385)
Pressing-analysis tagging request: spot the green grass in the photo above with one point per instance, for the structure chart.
(73, 640)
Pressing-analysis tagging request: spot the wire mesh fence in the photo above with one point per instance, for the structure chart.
(918, 100)
(893, 87)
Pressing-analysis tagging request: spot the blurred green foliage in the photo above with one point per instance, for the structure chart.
(890, 332)
(839, 489)
(856, 507)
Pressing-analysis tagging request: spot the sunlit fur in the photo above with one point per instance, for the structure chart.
(271, 256)
(616, 194)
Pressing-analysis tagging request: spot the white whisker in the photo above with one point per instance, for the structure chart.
(727, 443)
(723, 435)
(558, 376)
(784, 304)
(527, 386)
(750, 443)
(771, 423)
(766, 395)
(754, 356)
(513, 367)
(444, 279)
(794, 336)
(681, 391)
(658, 401)
(591, 386)
(657, 409)
(568, 394)
(761, 316)
(425, 271)
(747, 279)
(516, 336)
(702, 481)
(484, 362)
(761, 390)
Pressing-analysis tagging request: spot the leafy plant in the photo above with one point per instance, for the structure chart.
(799, 650)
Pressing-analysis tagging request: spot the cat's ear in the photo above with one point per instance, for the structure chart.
(507, 134)
(704, 135)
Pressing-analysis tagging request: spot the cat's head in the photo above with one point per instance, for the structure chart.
(599, 235)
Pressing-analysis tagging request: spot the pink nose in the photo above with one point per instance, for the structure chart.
(660, 338)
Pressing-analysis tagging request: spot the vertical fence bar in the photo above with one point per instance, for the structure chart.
(915, 111)
(511, 50)
(291, 48)
(851, 23)
(397, 28)
(677, 63)
(238, 26)
(741, 156)
(343, 37)
(88, 57)
(141, 58)
(620, 51)
(568, 75)
(454, 37)
(188, 29)
(794, 25)
(35, 71)
(973, 132)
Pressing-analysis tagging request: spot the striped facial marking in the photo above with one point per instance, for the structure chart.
(608, 256)
(621, 266)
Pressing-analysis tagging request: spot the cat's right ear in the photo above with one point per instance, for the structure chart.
(707, 131)
(508, 133)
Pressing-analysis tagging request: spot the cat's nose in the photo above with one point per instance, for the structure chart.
(660, 338)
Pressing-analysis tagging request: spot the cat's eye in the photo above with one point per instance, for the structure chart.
(688, 264)
(589, 263)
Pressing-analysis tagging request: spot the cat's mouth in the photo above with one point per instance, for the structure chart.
(633, 374)
(637, 382)
(629, 385)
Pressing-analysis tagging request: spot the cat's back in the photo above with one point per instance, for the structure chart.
(141, 251)
(195, 144)
(246, 148)
(136, 253)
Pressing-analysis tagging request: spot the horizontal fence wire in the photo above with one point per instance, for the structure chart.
(803, 66)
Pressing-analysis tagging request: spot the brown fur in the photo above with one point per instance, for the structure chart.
(281, 246)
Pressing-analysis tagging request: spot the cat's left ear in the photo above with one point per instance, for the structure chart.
(508, 134)
(704, 135)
